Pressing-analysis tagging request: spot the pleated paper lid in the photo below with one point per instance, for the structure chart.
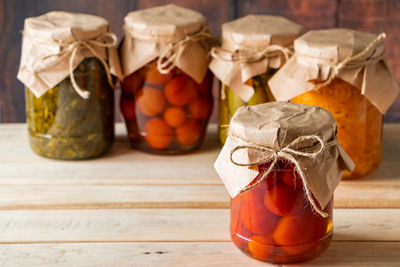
(172, 34)
(169, 21)
(302, 134)
(356, 57)
(251, 46)
(65, 26)
(259, 31)
(55, 43)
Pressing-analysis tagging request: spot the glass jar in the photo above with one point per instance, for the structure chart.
(229, 101)
(166, 113)
(359, 123)
(274, 220)
(63, 125)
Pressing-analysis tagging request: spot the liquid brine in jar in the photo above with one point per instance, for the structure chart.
(69, 86)
(281, 164)
(345, 72)
(253, 49)
(166, 101)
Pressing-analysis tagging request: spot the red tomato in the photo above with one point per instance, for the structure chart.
(239, 232)
(158, 133)
(201, 107)
(151, 74)
(175, 116)
(189, 133)
(284, 200)
(150, 101)
(261, 247)
(300, 229)
(257, 218)
(181, 90)
(288, 176)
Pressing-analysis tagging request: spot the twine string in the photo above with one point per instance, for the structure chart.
(175, 46)
(70, 49)
(288, 152)
(244, 56)
(350, 61)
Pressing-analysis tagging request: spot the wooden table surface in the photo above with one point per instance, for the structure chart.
(130, 208)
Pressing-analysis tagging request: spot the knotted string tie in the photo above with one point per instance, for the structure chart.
(288, 153)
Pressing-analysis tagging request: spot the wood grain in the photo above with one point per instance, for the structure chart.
(312, 14)
(130, 179)
(377, 16)
(367, 15)
(170, 225)
(184, 254)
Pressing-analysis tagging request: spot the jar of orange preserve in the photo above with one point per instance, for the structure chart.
(281, 163)
(345, 72)
(166, 96)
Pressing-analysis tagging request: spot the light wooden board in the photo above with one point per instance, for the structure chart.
(102, 225)
(184, 254)
(130, 208)
(167, 196)
(118, 180)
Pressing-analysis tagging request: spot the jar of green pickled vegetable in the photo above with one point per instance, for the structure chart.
(253, 49)
(69, 87)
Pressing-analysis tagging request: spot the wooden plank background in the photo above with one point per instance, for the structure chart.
(369, 15)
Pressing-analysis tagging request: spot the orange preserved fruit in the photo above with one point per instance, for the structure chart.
(288, 175)
(300, 229)
(283, 200)
(175, 116)
(239, 233)
(152, 75)
(159, 134)
(256, 217)
(132, 83)
(201, 107)
(181, 90)
(359, 123)
(261, 247)
(150, 101)
(299, 249)
(190, 133)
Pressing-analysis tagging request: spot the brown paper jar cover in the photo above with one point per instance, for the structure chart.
(151, 32)
(345, 72)
(317, 54)
(47, 46)
(274, 126)
(256, 40)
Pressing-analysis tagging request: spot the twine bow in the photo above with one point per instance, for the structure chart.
(288, 153)
(351, 61)
(244, 56)
(175, 47)
(69, 49)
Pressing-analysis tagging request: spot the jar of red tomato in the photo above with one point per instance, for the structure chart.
(166, 96)
(281, 164)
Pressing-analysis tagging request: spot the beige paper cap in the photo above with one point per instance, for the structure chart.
(177, 36)
(55, 43)
(302, 134)
(251, 45)
(356, 57)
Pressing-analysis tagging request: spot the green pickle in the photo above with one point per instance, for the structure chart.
(231, 101)
(63, 125)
